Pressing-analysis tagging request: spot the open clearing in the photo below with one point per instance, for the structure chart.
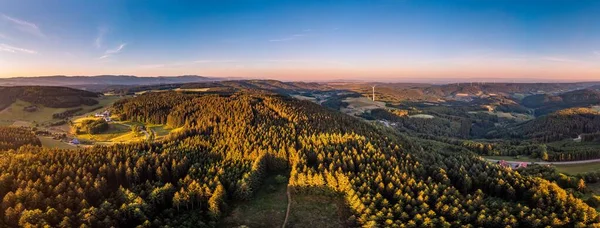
(15, 114)
(422, 116)
(313, 211)
(53, 143)
(508, 115)
(578, 168)
(120, 132)
(269, 205)
(116, 133)
(20, 123)
(266, 209)
(192, 90)
(358, 105)
(300, 97)
(513, 158)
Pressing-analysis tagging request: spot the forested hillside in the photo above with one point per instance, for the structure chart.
(398, 92)
(545, 103)
(54, 97)
(15, 137)
(563, 124)
(238, 85)
(231, 142)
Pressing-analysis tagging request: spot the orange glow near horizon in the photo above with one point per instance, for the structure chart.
(351, 73)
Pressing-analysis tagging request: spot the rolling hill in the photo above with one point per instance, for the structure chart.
(547, 103)
(82, 81)
(55, 97)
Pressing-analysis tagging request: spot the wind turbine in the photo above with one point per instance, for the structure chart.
(373, 93)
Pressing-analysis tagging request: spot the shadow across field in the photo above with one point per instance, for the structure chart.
(266, 209)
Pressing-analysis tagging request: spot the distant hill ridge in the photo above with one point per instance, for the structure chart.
(49, 96)
(103, 79)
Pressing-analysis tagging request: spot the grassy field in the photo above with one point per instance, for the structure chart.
(358, 105)
(266, 209)
(103, 102)
(117, 133)
(53, 143)
(269, 205)
(192, 90)
(15, 112)
(312, 211)
(162, 131)
(14, 115)
(423, 116)
(568, 169)
(578, 168)
(43, 114)
(120, 132)
(513, 158)
(300, 97)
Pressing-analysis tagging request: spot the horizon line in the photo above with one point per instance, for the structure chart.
(339, 80)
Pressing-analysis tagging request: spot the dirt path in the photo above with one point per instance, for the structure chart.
(141, 129)
(551, 163)
(289, 205)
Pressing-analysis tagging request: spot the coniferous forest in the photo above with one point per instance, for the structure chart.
(15, 137)
(231, 142)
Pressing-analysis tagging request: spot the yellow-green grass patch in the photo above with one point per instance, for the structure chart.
(422, 116)
(43, 115)
(53, 143)
(192, 90)
(520, 158)
(6, 122)
(115, 130)
(578, 168)
(20, 123)
(358, 105)
(15, 112)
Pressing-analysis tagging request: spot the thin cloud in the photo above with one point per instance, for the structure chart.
(214, 61)
(239, 62)
(100, 38)
(179, 64)
(2, 36)
(25, 26)
(152, 66)
(597, 53)
(114, 51)
(559, 59)
(13, 49)
(289, 38)
(329, 62)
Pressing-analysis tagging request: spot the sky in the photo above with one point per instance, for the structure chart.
(303, 40)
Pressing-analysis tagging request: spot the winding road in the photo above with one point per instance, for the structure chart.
(549, 163)
(287, 213)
